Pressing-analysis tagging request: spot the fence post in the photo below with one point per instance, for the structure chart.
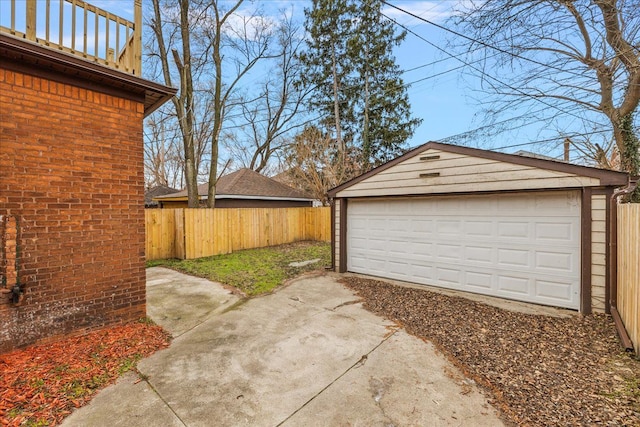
(31, 20)
(180, 234)
(137, 38)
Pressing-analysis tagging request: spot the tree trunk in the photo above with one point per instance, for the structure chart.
(336, 103)
(217, 120)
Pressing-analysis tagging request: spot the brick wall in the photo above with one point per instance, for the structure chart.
(71, 175)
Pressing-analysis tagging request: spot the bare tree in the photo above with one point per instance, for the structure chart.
(575, 59)
(312, 163)
(179, 28)
(163, 159)
(246, 39)
(207, 46)
(267, 120)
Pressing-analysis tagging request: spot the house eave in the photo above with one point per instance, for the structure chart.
(33, 59)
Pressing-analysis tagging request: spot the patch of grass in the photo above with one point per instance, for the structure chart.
(255, 271)
(37, 423)
(129, 363)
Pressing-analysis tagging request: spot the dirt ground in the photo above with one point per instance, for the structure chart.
(538, 370)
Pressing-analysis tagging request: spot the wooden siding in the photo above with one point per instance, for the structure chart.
(461, 173)
(628, 297)
(196, 233)
(598, 252)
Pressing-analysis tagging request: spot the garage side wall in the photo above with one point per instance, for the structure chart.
(71, 176)
(598, 252)
(336, 235)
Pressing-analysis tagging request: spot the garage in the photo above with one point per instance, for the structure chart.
(472, 220)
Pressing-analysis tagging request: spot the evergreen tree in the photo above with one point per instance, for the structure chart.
(358, 89)
(384, 119)
(328, 25)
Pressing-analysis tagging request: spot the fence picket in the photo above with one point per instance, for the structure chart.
(628, 297)
(196, 233)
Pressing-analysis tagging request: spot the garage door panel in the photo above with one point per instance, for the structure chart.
(511, 257)
(553, 290)
(515, 246)
(479, 254)
(451, 276)
(399, 268)
(449, 228)
(479, 281)
(420, 226)
(555, 261)
(478, 228)
(514, 230)
(557, 231)
(423, 272)
(449, 253)
(513, 285)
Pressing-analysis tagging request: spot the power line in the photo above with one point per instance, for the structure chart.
(480, 41)
(468, 64)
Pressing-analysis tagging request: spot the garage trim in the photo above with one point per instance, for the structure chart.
(399, 178)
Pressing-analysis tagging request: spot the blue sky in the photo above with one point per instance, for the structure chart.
(444, 99)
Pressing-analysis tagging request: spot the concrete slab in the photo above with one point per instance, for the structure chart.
(179, 302)
(402, 382)
(309, 354)
(129, 402)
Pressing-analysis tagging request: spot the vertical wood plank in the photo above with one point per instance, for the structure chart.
(195, 233)
(628, 297)
(31, 20)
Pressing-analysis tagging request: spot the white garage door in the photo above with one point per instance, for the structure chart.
(518, 246)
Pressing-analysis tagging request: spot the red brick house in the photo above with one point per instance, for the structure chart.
(71, 181)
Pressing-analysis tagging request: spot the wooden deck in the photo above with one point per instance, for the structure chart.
(78, 28)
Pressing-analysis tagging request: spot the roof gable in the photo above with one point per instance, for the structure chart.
(442, 168)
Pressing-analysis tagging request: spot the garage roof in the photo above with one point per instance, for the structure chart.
(437, 168)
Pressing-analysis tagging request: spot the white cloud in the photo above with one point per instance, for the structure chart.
(246, 21)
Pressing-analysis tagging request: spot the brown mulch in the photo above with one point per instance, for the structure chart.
(42, 384)
(537, 370)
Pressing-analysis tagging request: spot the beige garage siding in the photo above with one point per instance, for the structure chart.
(460, 173)
(598, 251)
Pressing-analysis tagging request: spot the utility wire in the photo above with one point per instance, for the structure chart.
(524, 58)
(468, 64)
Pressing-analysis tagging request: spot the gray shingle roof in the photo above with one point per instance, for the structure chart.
(246, 182)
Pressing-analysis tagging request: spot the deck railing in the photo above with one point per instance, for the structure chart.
(78, 28)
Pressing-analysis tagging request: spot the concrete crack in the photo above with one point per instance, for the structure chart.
(357, 364)
(146, 379)
(345, 303)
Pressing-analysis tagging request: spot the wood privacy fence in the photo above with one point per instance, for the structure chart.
(195, 233)
(628, 297)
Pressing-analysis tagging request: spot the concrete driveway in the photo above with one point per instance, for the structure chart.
(307, 355)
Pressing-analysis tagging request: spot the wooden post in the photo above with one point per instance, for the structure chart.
(31, 20)
(137, 38)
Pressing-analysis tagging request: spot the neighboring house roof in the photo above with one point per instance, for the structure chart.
(244, 184)
(605, 177)
(158, 190)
